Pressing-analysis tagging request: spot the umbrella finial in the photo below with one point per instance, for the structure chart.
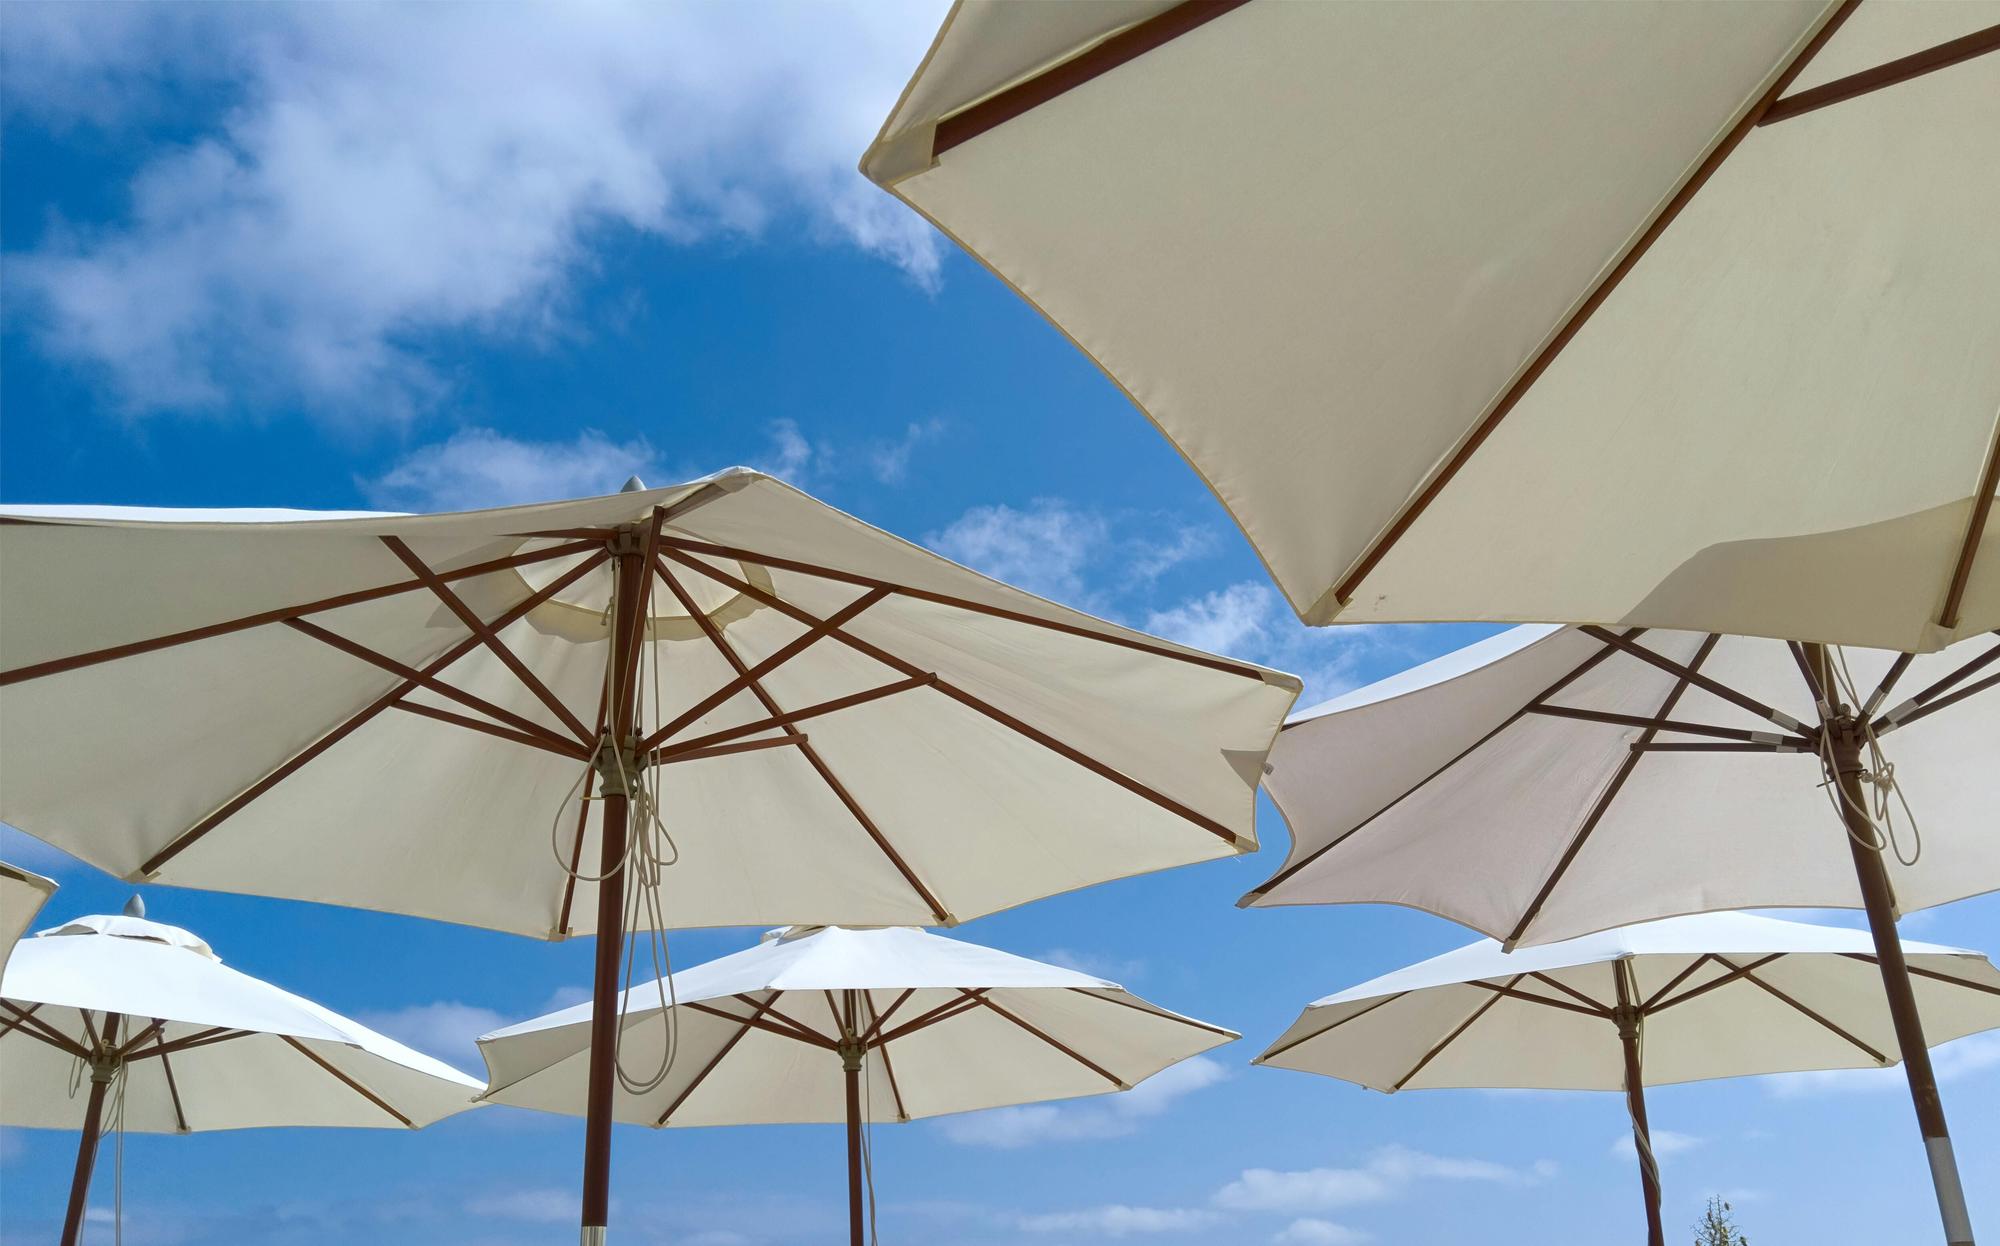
(633, 485)
(136, 906)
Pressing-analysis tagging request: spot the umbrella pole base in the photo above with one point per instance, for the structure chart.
(1950, 1192)
(591, 1235)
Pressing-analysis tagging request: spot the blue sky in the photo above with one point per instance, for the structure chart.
(340, 256)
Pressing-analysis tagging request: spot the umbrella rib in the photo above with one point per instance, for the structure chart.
(1330, 1027)
(1945, 702)
(1890, 73)
(549, 739)
(727, 750)
(1693, 967)
(1161, 1014)
(1653, 1005)
(1679, 727)
(1602, 805)
(283, 771)
(1344, 591)
(708, 1068)
(582, 820)
(1904, 712)
(57, 666)
(345, 1080)
(702, 744)
(743, 679)
(1575, 673)
(806, 750)
(562, 748)
(895, 1090)
(1153, 648)
(1756, 981)
(489, 637)
(1083, 1060)
(173, 1087)
(205, 1038)
(1930, 973)
(133, 1043)
(1568, 990)
(36, 1028)
(1531, 998)
(1727, 693)
(1453, 1037)
(1101, 58)
(1982, 510)
(882, 1018)
(1882, 690)
(974, 703)
(946, 1011)
(763, 1021)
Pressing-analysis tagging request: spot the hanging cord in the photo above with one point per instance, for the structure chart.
(1878, 776)
(77, 1071)
(1642, 1139)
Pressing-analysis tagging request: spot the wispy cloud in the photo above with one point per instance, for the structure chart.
(478, 467)
(1388, 1173)
(542, 1205)
(1078, 555)
(1120, 1220)
(1117, 969)
(1114, 1116)
(372, 175)
(1964, 1057)
(1665, 1142)
(446, 1029)
(1312, 1231)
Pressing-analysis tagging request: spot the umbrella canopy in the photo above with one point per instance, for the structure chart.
(1679, 1000)
(180, 1043)
(1577, 780)
(1674, 315)
(203, 1046)
(21, 897)
(399, 712)
(826, 1025)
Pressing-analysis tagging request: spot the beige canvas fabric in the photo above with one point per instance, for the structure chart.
(1318, 243)
(1034, 749)
(1376, 1034)
(21, 897)
(241, 1053)
(1444, 765)
(957, 1056)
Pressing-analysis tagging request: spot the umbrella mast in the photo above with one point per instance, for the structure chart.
(1629, 1016)
(103, 1069)
(618, 764)
(1844, 731)
(852, 1050)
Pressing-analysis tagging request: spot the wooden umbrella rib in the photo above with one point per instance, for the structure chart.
(1330, 1027)
(878, 1019)
(1602, 805)
(785, 1027)
(789, 717)
(1575, 673)
(582, 822)
(1064, 1048)
(1156, 1013)
(1758, 982)
(1438, 1049)
(1982, 512)
(1567, 989)
(1942, 703)
(1714, 687)
(173, 1086)
(743, 679)
(965, 1001)
(346, 1081)
(1693, 967)
(204, 1038)
(146, 1035)
(488, 636)
(270, 780)
(1902, 69)
(882, 586)
(1944, 684)
(720, 1055)
(560, 747)
(998, 715)
(895, 1090)
(1139, 39)
(1733, 974)
(57, 666)
(40, 1030)
(1675, 726)
(1574, 323)
(806, 750)
(385, 662)
(728, 750)
(1932, 974)
(1529, 997)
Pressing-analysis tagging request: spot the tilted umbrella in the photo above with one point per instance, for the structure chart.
(471, 716)
(21, 897)
(1670, 315)
(1549, 782)
(183, 1043)
(1680, 1000)
(828, 1025)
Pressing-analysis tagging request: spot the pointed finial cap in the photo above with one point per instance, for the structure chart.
(136, 906)
(634, 485)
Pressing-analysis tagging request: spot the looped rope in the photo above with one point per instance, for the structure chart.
(1878, 775)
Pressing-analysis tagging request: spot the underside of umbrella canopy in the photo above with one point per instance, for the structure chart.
(941, 1026)
(1549, 782)
(1668, 315)
(21, 897)
(1719, 995)
(407, 713)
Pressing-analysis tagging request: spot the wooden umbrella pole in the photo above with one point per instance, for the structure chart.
(102, 1071)
(1629, 1018)
(1844, 735)
(617, 766)
(850, 1063)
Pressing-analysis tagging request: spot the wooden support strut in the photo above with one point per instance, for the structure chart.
(103, 1070)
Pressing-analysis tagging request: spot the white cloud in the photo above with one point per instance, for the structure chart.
(1079, 556)
(446, 1029)
(1114, 1116)
(889, 461)
(1960, 1058)
(12, 1144)
(1229, 620)
(1250, 620)
(1119, 1220)
(1665, 1142)
(478, 467)
(1112, 968)
(381, 174)
(1310, 1231)
(535, 1206)
(1388, 1173)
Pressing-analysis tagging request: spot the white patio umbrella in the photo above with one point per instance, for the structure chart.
(1667, 314)
(182, 1043)
(839, 1025)
(21, 897)
(443, 715)
(1579, 778)
(1680, 1000)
